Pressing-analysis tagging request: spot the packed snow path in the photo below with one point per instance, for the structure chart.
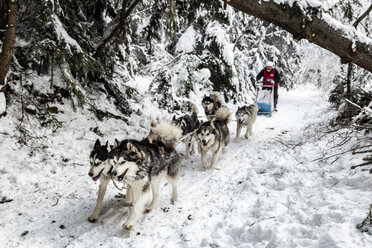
(266, 192)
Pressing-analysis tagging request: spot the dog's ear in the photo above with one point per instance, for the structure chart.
(97, 144)
(108, 147)
(131, 147)
(174, 118)
(116, 143)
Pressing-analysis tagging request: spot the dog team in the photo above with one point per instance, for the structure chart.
(142, 164)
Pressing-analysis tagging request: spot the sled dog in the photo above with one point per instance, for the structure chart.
(100, 169)
(212, 135)
(142, 165)
(188, 124)
(211, 104)
(245, 116)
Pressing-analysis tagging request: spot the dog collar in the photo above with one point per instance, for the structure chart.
(105, 175)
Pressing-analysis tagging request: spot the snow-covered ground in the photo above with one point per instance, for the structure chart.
(267, 191)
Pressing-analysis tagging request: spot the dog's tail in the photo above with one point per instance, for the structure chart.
(223, 114)
(194, 110)
(215, 96)
(166, 132)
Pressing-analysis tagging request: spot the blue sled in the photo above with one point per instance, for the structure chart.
(264, 108)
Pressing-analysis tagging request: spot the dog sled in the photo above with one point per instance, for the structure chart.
(265, 99)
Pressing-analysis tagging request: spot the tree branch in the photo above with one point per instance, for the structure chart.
(362, 16)
(125, 12)
(315, 26)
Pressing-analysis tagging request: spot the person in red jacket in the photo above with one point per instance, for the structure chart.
(270, 76)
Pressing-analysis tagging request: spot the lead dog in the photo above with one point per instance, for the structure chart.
(142, 165)
(100, 169)
(246, 116)
(213, 135)
(188, 124)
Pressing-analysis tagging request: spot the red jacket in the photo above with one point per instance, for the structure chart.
(268, 76)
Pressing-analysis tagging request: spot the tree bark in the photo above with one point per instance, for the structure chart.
(308, 24)
(4, 7)
(9, 40)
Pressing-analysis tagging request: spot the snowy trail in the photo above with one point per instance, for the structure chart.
(264, 194)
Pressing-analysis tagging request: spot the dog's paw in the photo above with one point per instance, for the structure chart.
(192, 152)
(92, 219)
(246, 136)
(128, 226)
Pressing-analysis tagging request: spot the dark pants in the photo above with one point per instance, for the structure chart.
(276, 96)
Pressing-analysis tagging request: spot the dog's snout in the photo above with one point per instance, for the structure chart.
(114, 173)
(90, 173)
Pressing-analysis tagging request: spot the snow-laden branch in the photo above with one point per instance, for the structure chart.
(307, 20)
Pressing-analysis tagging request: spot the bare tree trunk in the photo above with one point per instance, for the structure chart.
(9, 40)
(306, 24)
(4, 7)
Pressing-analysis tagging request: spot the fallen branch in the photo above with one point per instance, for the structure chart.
(360, 165)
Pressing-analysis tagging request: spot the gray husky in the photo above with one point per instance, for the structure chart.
(189, 125)
(213, 135)
(142, 165)
(245, 116)
(101, 169)
(211, 104)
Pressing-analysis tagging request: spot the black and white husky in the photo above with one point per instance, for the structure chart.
(246, 116)
(188, 124)
(213, 135)
(100, 169)
(143, 164)
(211, 104)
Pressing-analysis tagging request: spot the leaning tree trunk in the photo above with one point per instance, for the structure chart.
(309, 24)
(9, 40)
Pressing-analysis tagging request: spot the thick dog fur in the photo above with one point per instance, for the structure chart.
(142, 165)
(246, 116)
(213, 135)
(211, 104)
(188, 124)
(100, 169)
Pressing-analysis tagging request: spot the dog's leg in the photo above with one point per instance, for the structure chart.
(204, 158)
(174, 181)
(238, 130)
(101, 194)
(250, 128)
(129, 195)
(192, 143)
(155, 193)
(139, 201)
(187, 156)
(214, 159)
(247, 131)
(223, 147)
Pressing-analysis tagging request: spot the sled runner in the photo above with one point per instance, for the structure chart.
(265, 99)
